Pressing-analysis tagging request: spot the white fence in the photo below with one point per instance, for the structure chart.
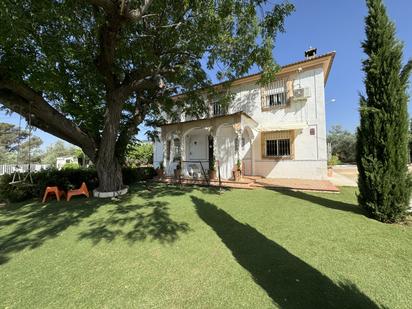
(23, 168)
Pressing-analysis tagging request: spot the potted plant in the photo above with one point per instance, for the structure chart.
(178, 171)
(160, 170)
(212, 169)
(334, 160)
(237, 171)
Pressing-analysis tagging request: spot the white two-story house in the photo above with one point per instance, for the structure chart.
(273, 131)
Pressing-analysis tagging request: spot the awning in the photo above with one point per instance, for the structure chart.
(283, 126)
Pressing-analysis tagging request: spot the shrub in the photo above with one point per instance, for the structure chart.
(71, 166)
(334, 160)
(65, 179)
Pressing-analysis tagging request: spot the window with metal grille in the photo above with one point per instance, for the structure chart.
(274, 94)
(176, 152)
(219, 109)
(276, 144)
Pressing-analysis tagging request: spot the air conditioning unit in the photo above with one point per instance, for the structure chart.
(301, 93)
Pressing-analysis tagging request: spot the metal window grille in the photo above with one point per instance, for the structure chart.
(276, 144)
(274, 94)
(218, 109)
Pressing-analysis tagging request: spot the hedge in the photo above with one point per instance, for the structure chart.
(65, 179)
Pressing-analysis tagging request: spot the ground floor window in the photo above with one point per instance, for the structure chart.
(277, 144)
(177, 152)
(168, 146)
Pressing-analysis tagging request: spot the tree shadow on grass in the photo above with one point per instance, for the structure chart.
(319, 200)
(134, 223)
(29, 225)
(155, 189)
(289, 281)
(36, 223)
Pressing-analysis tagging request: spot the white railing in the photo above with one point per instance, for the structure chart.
(23, 168)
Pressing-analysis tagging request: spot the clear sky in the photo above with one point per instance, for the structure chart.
(329, 25)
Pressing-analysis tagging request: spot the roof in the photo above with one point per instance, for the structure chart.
(215, 117)
(326, 60)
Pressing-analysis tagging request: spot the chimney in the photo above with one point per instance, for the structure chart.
(310, 53)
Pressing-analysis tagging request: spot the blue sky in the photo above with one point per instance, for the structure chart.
(328, 25)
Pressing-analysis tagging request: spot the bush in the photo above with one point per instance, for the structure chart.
(71, 166)
(334, 160)
(132, 175)
(65, 179)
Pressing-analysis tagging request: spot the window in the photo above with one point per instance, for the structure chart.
(276, 99)
(274, 95)
(218, 109)
(277, 144)
(176, 152)
(168, 144)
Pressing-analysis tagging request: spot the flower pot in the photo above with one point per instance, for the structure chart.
(330, 171)
(159, 172)
(212, 174)
(177, 172)
(237, 175)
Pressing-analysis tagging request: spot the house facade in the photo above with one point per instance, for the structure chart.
(276, 131)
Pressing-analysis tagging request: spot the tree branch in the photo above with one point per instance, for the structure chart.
(23, 100)
(137, 14)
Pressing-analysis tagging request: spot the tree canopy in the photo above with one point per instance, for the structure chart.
(90, 71)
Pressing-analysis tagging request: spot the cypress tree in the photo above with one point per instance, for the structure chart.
(382, 137)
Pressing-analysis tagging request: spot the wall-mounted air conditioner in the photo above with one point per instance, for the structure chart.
(301, 93)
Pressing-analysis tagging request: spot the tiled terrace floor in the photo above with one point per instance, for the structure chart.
(250, 182)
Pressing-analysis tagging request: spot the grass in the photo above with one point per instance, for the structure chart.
(194, 248)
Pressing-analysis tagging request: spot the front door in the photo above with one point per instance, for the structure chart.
(197, 147)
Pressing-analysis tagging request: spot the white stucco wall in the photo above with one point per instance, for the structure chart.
(310, 151)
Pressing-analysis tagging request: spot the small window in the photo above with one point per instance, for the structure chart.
(276, 144)
(168, 144)
(236, 144)
(219, 109)
(176, 146)
(277, 99)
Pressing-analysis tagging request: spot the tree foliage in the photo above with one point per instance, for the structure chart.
(90, 71)
(139, 154)
(343, 144)
(58, 149)
(382, 139)
(14, 142)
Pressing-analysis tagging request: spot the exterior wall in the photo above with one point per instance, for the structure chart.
(310, 150)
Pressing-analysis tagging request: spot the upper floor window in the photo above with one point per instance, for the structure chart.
(274, 95)
(219, 109)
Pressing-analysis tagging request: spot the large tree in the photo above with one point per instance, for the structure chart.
(382, 139)
(90, 71)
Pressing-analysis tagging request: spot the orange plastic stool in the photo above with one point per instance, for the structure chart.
(81, 191)
(53, 190)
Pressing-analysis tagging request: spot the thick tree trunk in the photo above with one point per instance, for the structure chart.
(109, 169)
(110, 175)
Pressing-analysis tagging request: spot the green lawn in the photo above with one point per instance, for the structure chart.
(169, 247)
